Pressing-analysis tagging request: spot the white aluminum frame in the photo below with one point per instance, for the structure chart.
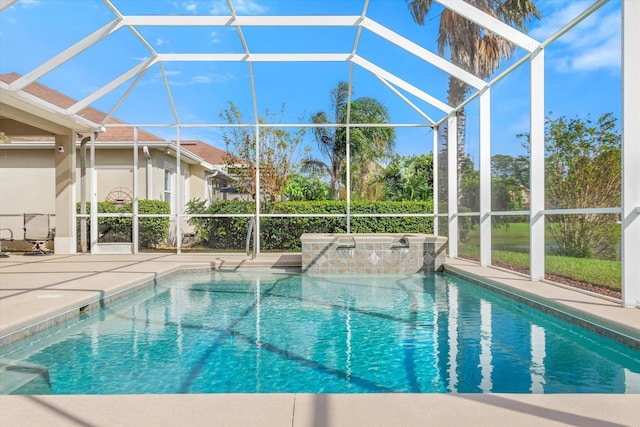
(536, 168)
(485, 177)
(630, 154)
(452, 184)
(15, 97)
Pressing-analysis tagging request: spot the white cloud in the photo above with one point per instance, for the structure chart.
(214, 37)
(201, 79)
(607, 55)
(594, 44)
(25, 4)
(190, 6)
(241, 7)
(28, 3)
(557, 18)
(204, 79)
(160, 42)
(219, 7)
(248, 7)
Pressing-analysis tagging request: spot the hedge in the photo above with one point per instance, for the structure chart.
(283, 234)
(151, 231)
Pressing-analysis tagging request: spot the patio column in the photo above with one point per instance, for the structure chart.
(93, 217)
(65, 205)
(485, 177)
(452, 183)
(630, 153)
(436, 182)
(135, 229)
(256, 228)
(536, 167)
(179, 198)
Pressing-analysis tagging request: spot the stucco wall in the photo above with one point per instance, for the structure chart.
(115, 171)
(27, 184)
(27, 181)
(197, 183)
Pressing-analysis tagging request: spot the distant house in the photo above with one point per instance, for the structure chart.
(28, 167)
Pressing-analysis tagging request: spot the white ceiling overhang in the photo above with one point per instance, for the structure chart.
(25, 108)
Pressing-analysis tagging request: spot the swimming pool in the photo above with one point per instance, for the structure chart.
(232, 332)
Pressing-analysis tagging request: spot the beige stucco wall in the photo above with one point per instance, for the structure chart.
(197, 183)
(27, 185)
(115, 171)
(27, 180)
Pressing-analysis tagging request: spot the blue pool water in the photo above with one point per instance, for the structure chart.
(287, 332)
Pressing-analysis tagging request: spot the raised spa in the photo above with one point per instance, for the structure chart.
(392, 253)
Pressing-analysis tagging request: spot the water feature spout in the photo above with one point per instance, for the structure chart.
(400, 243)
(346, 246)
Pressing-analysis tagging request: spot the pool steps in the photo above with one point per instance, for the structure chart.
(23, 378)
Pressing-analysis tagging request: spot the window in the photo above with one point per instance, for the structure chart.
(168, 187)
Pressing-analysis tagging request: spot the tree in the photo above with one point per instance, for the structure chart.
(509, 182)
(278, 147)
(367, 144)
(470, 46)
(408, 178)
(300, 187)
(473, 48)
(583, 170)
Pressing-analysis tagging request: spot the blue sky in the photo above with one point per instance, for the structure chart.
(582, 68)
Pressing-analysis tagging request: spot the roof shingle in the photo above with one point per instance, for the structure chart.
(208, 153)
(56, 98)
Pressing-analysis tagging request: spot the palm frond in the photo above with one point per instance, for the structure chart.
(419, 9)
(315, 166)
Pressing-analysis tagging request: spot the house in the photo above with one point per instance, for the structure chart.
(28, 166)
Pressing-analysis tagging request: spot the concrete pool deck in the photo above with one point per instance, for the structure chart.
(34, 289)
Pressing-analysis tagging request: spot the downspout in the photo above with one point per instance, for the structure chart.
(210, 185)
(145, 150)
(83, 192)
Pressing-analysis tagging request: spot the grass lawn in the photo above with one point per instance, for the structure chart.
(514, 234)
(597, 272)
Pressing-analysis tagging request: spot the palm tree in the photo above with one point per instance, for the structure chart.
(367, 144)
(471, 47)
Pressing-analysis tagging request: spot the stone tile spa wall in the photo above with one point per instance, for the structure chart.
(372, 253)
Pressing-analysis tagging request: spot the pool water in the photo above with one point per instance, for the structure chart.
(261, 332)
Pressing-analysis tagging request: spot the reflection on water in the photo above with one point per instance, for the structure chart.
(266, 332)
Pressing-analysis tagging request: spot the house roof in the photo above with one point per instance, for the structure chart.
(206, 152)
(63, 101)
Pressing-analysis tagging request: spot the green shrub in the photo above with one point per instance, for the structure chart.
(151, 231)
(111, 225)
(283, 234)
(227, 233)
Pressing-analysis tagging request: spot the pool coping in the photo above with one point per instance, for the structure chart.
(317, 410)
(577, 315)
